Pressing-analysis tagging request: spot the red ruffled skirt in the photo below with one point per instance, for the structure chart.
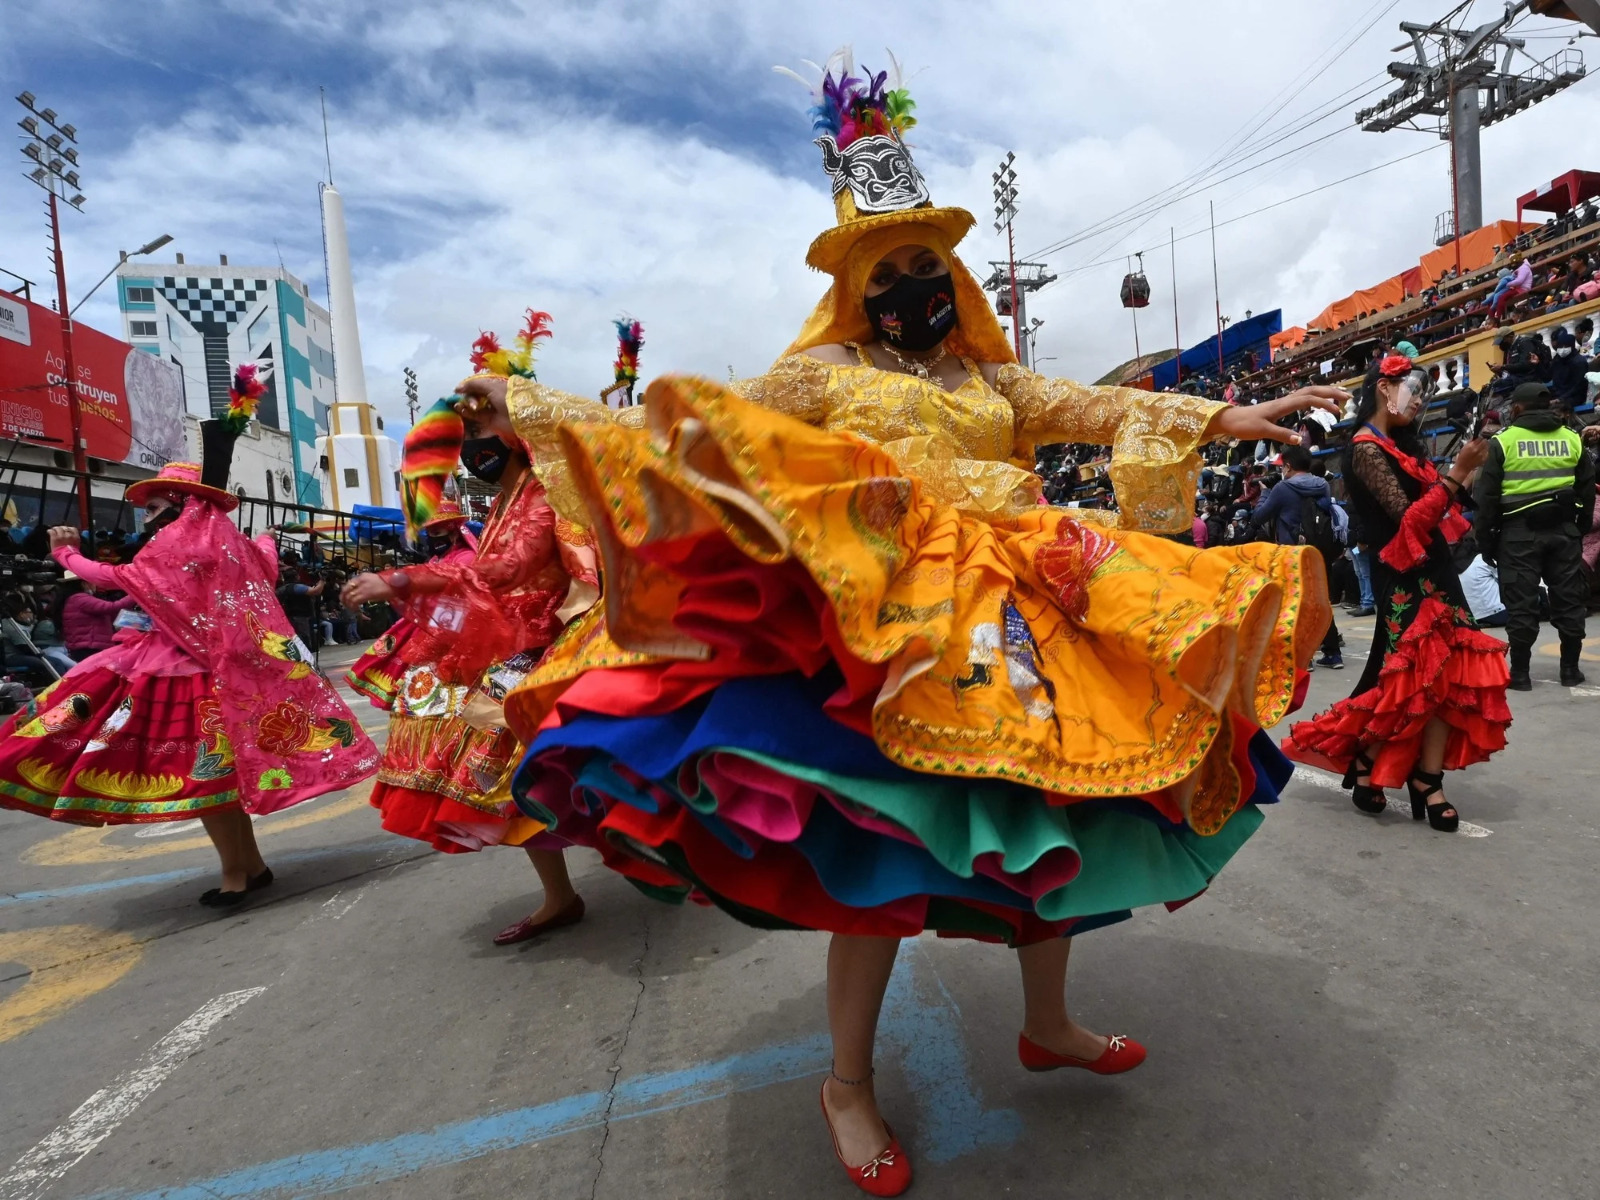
(1439, 667)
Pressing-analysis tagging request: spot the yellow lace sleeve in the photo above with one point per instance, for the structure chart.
(1153, 437)
(536, 413)
(797, 386)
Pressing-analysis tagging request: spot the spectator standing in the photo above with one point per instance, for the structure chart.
(1535, 502)
(1568, 370)
(299, 602)
(1299, 511)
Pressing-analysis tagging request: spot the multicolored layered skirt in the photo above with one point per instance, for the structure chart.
(102, 748)
(819, 698)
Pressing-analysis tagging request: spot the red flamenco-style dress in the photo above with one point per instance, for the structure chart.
(1429, 658)
(206, 701)
(479, 625)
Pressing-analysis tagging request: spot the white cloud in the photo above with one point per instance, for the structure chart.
(610, 158)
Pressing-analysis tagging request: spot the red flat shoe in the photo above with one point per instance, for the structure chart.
(529, 928)
(1121, 1054)
(888, 1173)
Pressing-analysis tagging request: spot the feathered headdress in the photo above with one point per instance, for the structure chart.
(630, 336)
(490, 358)
(846, 106)
(432, 450)
(243, 398)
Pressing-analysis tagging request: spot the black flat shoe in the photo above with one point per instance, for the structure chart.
(1441, 815)
(217, 898)
(1368, 799)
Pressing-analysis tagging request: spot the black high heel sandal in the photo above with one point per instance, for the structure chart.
(1435, 813)
(1368, 799)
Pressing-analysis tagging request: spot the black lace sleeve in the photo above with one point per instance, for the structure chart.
(1376, 471)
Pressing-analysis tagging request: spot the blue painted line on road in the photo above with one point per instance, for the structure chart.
(89, 889)
(953, 1121)
(933, 1049)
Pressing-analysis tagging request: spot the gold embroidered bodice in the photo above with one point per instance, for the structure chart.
(973, 445)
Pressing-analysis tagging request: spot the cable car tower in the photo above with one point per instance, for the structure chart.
(1464, 79)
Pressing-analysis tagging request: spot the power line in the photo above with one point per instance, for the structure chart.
(1258, 211)
(1236, 148)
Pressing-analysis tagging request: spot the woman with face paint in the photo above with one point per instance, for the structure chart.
(1433, 696)
(850, 676)
(473, 625)
(206, 705)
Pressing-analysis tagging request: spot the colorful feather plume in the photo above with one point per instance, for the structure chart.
(489, 357)
(432, 450)
(630, 336)
(243, 397)
(847, 106)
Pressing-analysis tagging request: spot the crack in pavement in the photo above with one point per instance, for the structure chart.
(616, 1062)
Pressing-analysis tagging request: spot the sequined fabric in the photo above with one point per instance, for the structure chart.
(505, 599)
(537, 412)
(972, 446)
(211, 590)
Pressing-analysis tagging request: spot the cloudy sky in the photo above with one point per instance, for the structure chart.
(622, 157)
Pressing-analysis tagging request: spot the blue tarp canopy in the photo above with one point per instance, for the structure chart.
(1237, 339)
(368, 521)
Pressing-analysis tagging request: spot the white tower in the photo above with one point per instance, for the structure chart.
(349, 381)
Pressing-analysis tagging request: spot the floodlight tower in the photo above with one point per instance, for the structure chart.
(1011, 281)
(1454, 86)
(51, 149)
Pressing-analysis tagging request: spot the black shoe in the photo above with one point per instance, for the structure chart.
(1521, 658)
(1571, 675)
(217, 898)
(1441, 815)
(1366, 610)
(1334, 662)
(1368, 799)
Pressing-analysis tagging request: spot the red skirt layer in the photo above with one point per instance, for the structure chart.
(1437, 669)
(105, 749)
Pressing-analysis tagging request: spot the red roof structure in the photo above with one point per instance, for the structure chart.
(1564, 194)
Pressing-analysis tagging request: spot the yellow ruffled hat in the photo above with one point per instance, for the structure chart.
(880, 203)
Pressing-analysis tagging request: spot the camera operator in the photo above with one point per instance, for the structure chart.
(299, 600)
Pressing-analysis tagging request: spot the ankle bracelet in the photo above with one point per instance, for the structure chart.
(837, 1078)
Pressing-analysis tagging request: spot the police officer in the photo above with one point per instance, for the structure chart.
(1535, 502)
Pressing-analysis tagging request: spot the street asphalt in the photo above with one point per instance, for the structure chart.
(1360, 1007)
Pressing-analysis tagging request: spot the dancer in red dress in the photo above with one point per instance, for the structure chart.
(1433, 696)
(478, 625)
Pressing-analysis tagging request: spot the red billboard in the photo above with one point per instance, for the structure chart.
(132, 401)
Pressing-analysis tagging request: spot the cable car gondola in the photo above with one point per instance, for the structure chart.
(1136, 288)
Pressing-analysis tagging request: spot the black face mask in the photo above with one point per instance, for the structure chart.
(915, 314)
(486, 458)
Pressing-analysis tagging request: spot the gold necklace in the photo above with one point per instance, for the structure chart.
(916, 366)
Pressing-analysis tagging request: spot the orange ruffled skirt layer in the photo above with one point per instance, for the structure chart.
(1439, 667)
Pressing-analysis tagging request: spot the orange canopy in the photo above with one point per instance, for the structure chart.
(1478, 249)
(1287, 340)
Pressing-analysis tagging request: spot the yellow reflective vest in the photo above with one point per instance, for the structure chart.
(1540, 466)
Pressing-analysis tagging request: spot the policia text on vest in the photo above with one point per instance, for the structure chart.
(1535, 499)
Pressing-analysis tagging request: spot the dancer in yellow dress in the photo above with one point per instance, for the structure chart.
(848, 675)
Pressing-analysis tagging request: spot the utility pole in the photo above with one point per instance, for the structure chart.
(55, 165)
(411, 392)
(1454, 87)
